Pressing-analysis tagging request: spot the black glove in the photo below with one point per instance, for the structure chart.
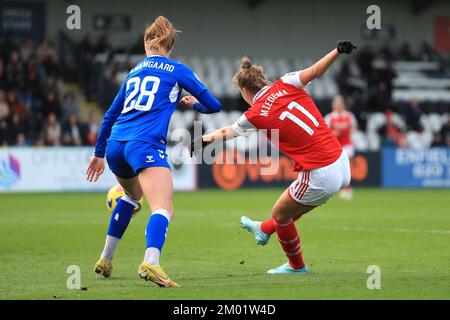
(195, 144)
(345, 46)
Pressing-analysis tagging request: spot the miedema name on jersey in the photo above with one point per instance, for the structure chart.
(270, 101)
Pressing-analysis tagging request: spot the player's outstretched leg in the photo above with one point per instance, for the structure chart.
(254, 227)
(261, 231)
(120, 218)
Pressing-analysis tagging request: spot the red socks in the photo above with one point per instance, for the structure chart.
(268, 226)
(290, 242)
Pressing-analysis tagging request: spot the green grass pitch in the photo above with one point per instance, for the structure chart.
(405, 232)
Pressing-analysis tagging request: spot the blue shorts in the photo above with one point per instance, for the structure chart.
(127, 158)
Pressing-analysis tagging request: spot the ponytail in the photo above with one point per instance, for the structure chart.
(160, 35)
(250, 76)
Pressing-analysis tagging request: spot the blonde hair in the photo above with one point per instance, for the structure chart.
(160, 35)
(250, 76)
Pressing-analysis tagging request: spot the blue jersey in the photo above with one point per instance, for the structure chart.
(146, 101)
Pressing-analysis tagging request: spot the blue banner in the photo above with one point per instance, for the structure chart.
(416, 168)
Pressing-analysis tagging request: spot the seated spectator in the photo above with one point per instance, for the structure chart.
(4, 108)
(69, 106)
(73, 132)
(48, 57)
(7, 46)
(14, 71)
(412, 116)
(438, 141)
(27, 49)
(16, 106)
(15, 128)
(405, 52)
(92, 129)
(52, 131)
(3, 80)
(391, 134)
(51, 105)
(21, 140)
(31, 81)
(386, 52)
(4, 116)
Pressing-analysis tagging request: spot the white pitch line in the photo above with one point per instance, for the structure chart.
(397, 230)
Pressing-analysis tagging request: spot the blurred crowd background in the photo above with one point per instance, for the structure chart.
(55, 88)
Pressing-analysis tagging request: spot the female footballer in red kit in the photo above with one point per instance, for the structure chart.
(304, 136)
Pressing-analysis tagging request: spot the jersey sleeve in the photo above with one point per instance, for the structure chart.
(243, 127)
(293, 78)
(191, 83)
(108, 121)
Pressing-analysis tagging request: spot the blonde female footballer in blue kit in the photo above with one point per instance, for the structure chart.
(133, 137)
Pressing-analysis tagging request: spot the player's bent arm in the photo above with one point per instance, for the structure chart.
(108, 121)
(320, 67)
(207, 103)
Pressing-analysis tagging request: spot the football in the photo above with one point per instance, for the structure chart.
(114, 194)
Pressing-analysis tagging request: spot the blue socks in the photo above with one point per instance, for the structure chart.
(155, 235)
(156, 231)
(121, 216)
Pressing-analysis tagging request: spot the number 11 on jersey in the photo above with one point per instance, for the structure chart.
(296, 120)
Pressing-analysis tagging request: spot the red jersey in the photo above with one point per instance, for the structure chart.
(303, 134)
(342, 123)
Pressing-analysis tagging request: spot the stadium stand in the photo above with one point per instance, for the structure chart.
(55, 95)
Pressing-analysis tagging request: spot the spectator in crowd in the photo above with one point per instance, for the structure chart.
(16, 106)
(73, 132)
(21, 140)
(31, 74)
(48, 57)
(7, 46)
(347, 80)
(387, 76)
(3, 80)
(428, 53)
(405, 52)
(70, 105)
(4, 116)
(4, 108)
(386, 52)
(14, 71)
(15, 128)
(52, 130)
(92, 129)
(51, 105)
(412, 115)
(364, 60)
(48, 85)
(103, 45)
(391, 134)
(27, 49)
(379, 98)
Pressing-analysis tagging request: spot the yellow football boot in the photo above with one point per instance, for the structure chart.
(103, 267)
(155, 274)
